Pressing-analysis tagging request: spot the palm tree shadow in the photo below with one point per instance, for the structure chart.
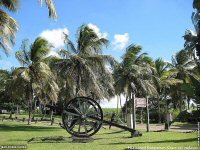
(59, 139)
(50, 139)
(10, 128)
(112, 132)
(166, 141)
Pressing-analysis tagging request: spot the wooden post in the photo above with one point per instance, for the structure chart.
(147, 107)
(141, 115)
(133, 111)
(52, 121)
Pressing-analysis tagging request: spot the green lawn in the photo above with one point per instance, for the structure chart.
(43, 136)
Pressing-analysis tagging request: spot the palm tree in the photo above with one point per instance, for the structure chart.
(161, 68)
(8, 26)
(35, 76)
(134, 76)
(83, 66)
(184, 65)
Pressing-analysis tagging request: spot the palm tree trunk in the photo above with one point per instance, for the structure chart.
(166, 111)
(17, 111)
(159, 112)
(78, 82)
(30, 98)
(180, 105)
(51, 117)
(188, 103)
(133, 111)
(126, 108)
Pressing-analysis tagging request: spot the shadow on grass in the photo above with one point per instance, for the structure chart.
(50, 139)
(166, 141)
(61, 139)
(25, 128)
(112, 132)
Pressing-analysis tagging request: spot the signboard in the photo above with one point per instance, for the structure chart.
(140, 102)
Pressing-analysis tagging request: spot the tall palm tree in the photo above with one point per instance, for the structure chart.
(35, 76)
(8, 25)
(83, 66)
(184, 65)
(134, 76)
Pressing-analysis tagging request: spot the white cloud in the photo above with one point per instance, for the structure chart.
(120, 41)
(97, 31)
(55, 36)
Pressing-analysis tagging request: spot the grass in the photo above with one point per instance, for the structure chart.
(42, 136)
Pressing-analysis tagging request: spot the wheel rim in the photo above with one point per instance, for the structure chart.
(82, 116)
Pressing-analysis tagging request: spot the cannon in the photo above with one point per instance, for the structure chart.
(83, 117)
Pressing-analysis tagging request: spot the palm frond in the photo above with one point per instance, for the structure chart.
(51, 7)
(11, 5)
(8, 28)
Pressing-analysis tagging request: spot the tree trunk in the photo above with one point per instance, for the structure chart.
(51, 111)
(45, 111)
(133, 111)
(126, 113)
(166, 111)
(147, 107)
(180, 105)
(30, 98)
(159, 111)
(78, 82)
(17, 111)
(188, 103)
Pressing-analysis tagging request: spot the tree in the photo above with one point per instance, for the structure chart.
(35, 77)
(83, 66)
(134, 76)
(184, 65)
(8, 25)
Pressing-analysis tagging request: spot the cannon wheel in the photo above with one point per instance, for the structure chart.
(82, 116)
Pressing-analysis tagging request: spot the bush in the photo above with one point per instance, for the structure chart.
(189, 116)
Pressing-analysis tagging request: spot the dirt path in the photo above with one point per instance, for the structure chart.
(175, 127)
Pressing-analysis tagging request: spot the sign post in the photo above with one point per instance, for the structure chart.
(142, 103)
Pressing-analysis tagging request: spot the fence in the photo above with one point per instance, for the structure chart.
(34, 120)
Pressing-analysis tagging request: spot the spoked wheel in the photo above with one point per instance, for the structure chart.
(82, 116)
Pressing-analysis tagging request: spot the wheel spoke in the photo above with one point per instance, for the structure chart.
(92, 114)
(85, 127)
(86, 107)
(73, 124)
(79, 112)
(80, 106)
(70, 113)
(90, 123)
(79, 128)
(71, 120)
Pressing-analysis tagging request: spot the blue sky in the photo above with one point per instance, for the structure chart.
(156, 25)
